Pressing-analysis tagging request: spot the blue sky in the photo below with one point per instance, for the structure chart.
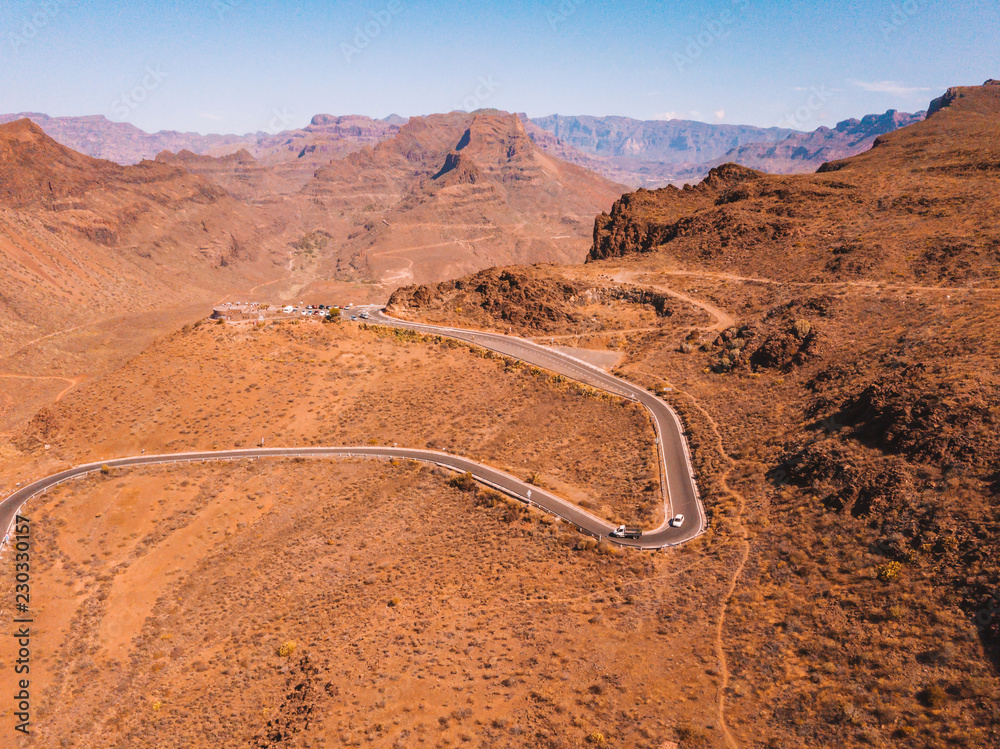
(242, 66)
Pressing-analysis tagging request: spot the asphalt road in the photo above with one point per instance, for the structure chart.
(680, 492)
(679, 489)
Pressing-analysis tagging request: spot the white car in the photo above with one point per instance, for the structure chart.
(677, 521)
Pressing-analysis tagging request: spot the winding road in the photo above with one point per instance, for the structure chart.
(680, 493)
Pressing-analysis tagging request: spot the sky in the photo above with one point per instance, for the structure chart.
(237, 66)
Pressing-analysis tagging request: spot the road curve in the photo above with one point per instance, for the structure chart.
(680, 493)
(677, 484)
(492, 477)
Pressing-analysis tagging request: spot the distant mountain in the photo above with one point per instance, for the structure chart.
(656, 153)
(454, 193)
(637, 153)
(663, 141)
(84, 237)
(121, 142)
(801, 153)
(296, 153)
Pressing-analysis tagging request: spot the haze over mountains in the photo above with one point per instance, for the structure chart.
(637, 153)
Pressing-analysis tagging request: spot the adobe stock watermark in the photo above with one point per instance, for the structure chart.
(715, 28)
(279, 122)
(484, 90)
(129, 101)
(902, 13)
(560, 13)
(46, 12)
(798, 119)
(223, 8)
(367, 32)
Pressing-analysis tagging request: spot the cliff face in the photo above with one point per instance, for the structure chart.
(643, 220)
(458, 192)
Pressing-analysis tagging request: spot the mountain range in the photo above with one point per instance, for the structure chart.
(636, 153)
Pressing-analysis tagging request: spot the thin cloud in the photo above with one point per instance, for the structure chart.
(889, 87)
(667, 116)
(210, 116)
(720, 115)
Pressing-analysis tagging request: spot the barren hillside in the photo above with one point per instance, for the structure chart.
(85, 239)
(455, 193)
(842, 401)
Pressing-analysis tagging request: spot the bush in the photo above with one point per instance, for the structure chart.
(888, 572)
(287, 648)
(802, 328)
(464, 482)
(934, 697)
(105, 470)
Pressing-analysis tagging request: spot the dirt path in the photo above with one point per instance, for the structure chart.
(853, 284)
(407, 271)
(723, 319)
(719, 640)
(73, 381)
(249, 293)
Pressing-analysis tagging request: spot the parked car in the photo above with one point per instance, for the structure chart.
(677, 521)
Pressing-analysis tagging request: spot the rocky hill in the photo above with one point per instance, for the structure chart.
(908, 210)
(841, 402)
(84, 237)
(453, 193)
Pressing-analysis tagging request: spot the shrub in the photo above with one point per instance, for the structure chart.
(934, 697)
(464, 482)
(888, 572)
(287, 648)
(802, 328)
(105, 470)
(597, 739)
